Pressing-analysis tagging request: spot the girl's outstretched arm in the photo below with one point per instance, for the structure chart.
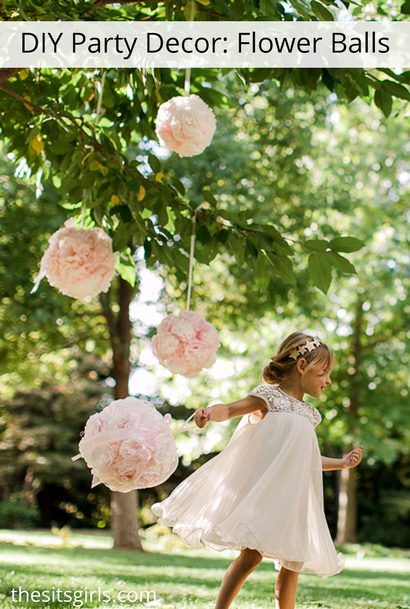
(351, 460)
(223, 412)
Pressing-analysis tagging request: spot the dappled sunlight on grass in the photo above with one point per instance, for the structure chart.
(184, 578)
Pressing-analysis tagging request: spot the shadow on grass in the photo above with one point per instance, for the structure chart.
(181, 578)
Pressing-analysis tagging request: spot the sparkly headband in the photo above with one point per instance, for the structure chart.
(310, 345)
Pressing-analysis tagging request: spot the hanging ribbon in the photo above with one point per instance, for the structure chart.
(97, 115)
(191, 257)
(184, 426)
(188, 70)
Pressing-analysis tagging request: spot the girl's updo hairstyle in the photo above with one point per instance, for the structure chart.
(282, 365)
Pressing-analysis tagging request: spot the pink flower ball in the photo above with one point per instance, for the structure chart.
(185, 125)
(129, 445)
(78, 262)
(186, 344)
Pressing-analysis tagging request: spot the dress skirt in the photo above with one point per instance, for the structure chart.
(263, 492)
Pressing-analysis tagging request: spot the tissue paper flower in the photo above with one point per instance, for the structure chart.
(186, 344)
(129, 445)
(185, 125)
(78, 262)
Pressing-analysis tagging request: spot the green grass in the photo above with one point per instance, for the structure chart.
(374, 578)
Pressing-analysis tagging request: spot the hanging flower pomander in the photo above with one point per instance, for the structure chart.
(185, 125)
(78, 262)
(129, 445)
(186, 344)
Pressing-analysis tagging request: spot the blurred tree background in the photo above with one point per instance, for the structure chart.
(288, 154)
(306, 167)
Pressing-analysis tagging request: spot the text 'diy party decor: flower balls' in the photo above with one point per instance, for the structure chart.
(185, 125)
(78, 262)
(129, 445)
(186, 344)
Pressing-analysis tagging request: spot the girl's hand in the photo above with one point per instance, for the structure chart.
(202, 417)
(353, 458)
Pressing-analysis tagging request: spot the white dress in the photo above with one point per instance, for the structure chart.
(264, 491)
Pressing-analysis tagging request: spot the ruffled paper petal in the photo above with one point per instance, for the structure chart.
(78, 262)
(129, 445)
(185, 125)
(186, 344)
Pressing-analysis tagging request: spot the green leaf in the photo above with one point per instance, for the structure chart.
(346, 244)
(383, 100)
(271, 239)
(206, 253)
(179, 186)
(95, 166)
(283, 267)
(321, 11)
(107, 143)
(359, 78)
(126, 270)
(154, 163)
(268, 9)
(62, 147)
(405, 8)
(328, 79)
(262, 276)
(316, 245)
(124, 212)
(160, 209)
(203, 235)
(250, 213)
(260, 74)
(32, 134)
(223, 236)
(341, 263)
(209, 197)
(272, 232)
(88, 180)
(251, 248)
(302, 8)
(237, 246)
(120, 239)
(171, 220)
(396, 89)
(320, 271)
(180, 260)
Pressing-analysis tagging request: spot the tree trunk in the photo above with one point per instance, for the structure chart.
(347, 514)
(26, 490)
(125, 521)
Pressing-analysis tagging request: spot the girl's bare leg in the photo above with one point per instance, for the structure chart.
(285, 589)
(236, 575)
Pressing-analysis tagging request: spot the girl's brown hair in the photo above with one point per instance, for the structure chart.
(282, 366)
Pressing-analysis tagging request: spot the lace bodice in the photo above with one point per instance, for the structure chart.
(279, 401)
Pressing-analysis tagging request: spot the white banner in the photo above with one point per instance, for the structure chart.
(248, 44)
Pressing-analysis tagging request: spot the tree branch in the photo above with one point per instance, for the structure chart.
(200, 9)
(109, 317)
(6, 73)
(82, 126)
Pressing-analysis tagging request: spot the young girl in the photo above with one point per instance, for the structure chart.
(263, 494)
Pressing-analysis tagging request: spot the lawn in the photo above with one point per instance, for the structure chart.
(75, 565)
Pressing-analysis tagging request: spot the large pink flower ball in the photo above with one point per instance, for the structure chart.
(185, 125)
(186, 344)
(78, 262)
(129, 445)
